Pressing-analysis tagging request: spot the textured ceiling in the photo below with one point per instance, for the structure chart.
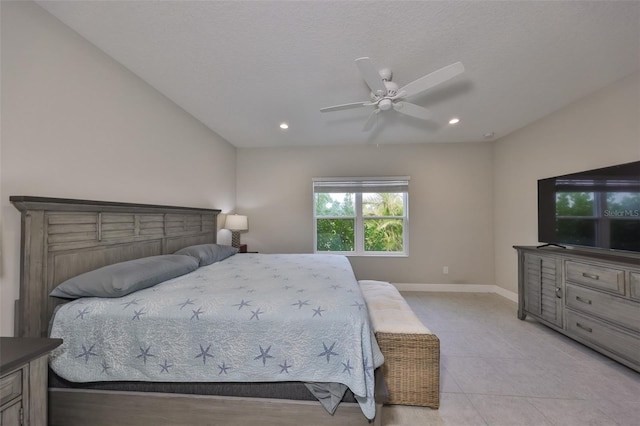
(243, 67)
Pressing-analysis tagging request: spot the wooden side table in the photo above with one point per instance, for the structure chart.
(23, 379)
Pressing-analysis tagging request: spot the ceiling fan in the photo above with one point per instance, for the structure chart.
(386, 95)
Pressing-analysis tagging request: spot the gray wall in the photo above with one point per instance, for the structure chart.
(76, 124)
(450, 205)
(597, 131)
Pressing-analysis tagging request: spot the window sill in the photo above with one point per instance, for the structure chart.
(392, 256)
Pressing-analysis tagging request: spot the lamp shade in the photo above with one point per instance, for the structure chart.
(236, 222)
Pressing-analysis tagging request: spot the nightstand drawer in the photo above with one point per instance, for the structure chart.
(596, 276)
(10, 387)
(611, 308)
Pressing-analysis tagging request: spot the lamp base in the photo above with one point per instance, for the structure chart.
(235, 239)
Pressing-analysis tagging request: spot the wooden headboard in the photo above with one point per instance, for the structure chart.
(62, 238)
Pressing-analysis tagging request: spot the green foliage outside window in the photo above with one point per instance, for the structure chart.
(382, 216)
(336, 235)
(335, 204)
(383, 235)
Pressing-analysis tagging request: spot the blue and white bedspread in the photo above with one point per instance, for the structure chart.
(248, 318)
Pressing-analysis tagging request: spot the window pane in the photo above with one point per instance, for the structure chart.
(334, 204)
(383, 204)
(574, 204)
(335, 234)
(383, 235)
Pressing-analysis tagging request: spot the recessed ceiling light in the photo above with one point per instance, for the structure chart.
(488, 135)
(454, 120)
(284, 126)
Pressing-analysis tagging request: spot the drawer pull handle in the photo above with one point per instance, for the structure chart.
(592, 276)
(585, 328)
(580, 299)
(558, 292)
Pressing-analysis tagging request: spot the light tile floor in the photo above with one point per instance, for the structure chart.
(499, 371)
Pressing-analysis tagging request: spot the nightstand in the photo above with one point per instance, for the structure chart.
(23, 379)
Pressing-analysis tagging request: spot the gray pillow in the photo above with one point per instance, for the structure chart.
(122, 278)
(208, 253)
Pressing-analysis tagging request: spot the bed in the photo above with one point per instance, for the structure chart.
(64, 238)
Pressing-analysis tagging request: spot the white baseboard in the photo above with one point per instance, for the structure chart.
(459, 288)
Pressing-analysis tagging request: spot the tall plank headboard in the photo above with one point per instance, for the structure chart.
(62, 238)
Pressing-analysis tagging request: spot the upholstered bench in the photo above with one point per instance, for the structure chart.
(411, 352)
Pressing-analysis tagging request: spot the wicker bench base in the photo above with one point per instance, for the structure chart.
(411, 368)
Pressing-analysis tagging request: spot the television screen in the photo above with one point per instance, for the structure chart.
(597, 208)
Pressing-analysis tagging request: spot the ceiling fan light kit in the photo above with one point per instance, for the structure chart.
(386, 94)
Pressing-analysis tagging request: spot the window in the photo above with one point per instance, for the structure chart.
(361, 216)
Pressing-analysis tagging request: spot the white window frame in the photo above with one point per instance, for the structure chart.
(358, 186)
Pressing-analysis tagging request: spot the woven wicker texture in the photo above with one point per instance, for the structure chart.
(411, 368)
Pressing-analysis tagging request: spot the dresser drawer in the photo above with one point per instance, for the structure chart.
(634, 285)
(599, 277)
(10, 387)
(615, 309)
(612, 339)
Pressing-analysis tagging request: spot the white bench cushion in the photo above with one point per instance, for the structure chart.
(388, 311)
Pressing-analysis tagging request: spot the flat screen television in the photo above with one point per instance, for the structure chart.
(597, 208)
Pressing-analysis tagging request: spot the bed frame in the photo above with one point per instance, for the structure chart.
(62, 238)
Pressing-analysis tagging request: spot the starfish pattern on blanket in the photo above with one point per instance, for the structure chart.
(264, 354)
(137, 314)
(132, 302)
(368, 368)
(242, 303)
(82, 313)
(347, 367)
(300, 303)
(165, 367)
(105, 367)
(196, 313)
(185, 303)
(144, 354)
(86, 353)
(256, 313)
(223, 368)
(204, 353)
(284, 367)
(328, 351)
(318, 311)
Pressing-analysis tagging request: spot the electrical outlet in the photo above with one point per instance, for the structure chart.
(445, 270)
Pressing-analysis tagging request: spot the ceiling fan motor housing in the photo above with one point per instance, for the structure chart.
(385, 104)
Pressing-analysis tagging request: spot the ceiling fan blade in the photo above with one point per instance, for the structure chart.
(371, 120)
(345, 106)
(371, 76)
(412, 110)
(433, 79)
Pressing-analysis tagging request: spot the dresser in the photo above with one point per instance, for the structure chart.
(592, 297)
(23, 380)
